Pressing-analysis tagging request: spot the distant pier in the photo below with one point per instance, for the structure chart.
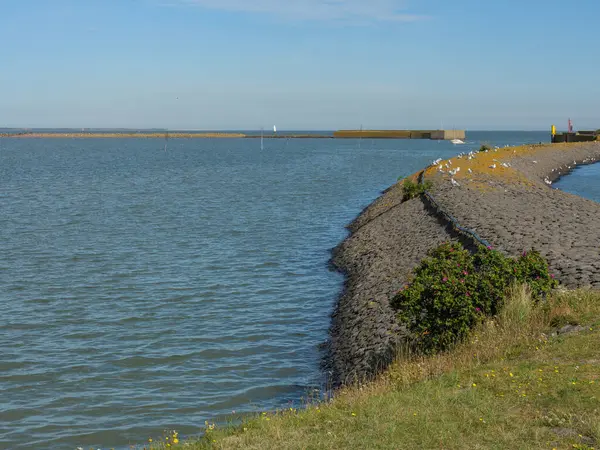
(573, 136)
(580, 136)
(341, 134)
(440, 135)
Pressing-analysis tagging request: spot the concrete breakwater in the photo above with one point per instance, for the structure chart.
(401, 134)
(504, 195)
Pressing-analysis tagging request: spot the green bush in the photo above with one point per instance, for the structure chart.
(453, 289)
(412, 189)
(485, 148)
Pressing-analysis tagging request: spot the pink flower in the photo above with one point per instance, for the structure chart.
(467, 294)
(524, 253)
(444, 279)
(465, 272)
(489, 247)
(478, 309)
(552, 275)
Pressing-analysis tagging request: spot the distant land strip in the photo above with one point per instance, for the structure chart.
(123, 135)
(164, 135)
(340, 134)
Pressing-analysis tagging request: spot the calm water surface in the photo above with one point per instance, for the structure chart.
(583, 181)
(145, 289)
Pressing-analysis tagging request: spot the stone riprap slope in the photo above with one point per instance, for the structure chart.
(389, 240)
(514, 208)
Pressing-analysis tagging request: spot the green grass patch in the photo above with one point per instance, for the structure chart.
(412, 189)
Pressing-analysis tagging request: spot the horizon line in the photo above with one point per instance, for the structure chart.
(26, 128)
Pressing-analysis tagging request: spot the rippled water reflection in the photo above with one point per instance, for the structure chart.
(144, 289)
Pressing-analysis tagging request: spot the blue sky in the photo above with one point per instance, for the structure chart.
(299, 64)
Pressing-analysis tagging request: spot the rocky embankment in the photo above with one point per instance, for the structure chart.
(504, 195)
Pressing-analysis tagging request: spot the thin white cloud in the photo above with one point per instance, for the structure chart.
(336, 10)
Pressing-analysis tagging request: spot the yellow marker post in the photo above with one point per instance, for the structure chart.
(553, 130)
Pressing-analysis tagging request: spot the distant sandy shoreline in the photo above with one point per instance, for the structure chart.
(163, 135)
(124, 135)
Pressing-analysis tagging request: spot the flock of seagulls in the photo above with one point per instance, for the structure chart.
(452, 171)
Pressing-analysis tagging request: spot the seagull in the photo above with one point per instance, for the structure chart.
(470, 171)
(493, 166)
(454, 182)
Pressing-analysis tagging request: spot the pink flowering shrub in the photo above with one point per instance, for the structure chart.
(453, 289)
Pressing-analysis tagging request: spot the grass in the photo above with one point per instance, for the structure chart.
(511, 385)
(412, 189)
